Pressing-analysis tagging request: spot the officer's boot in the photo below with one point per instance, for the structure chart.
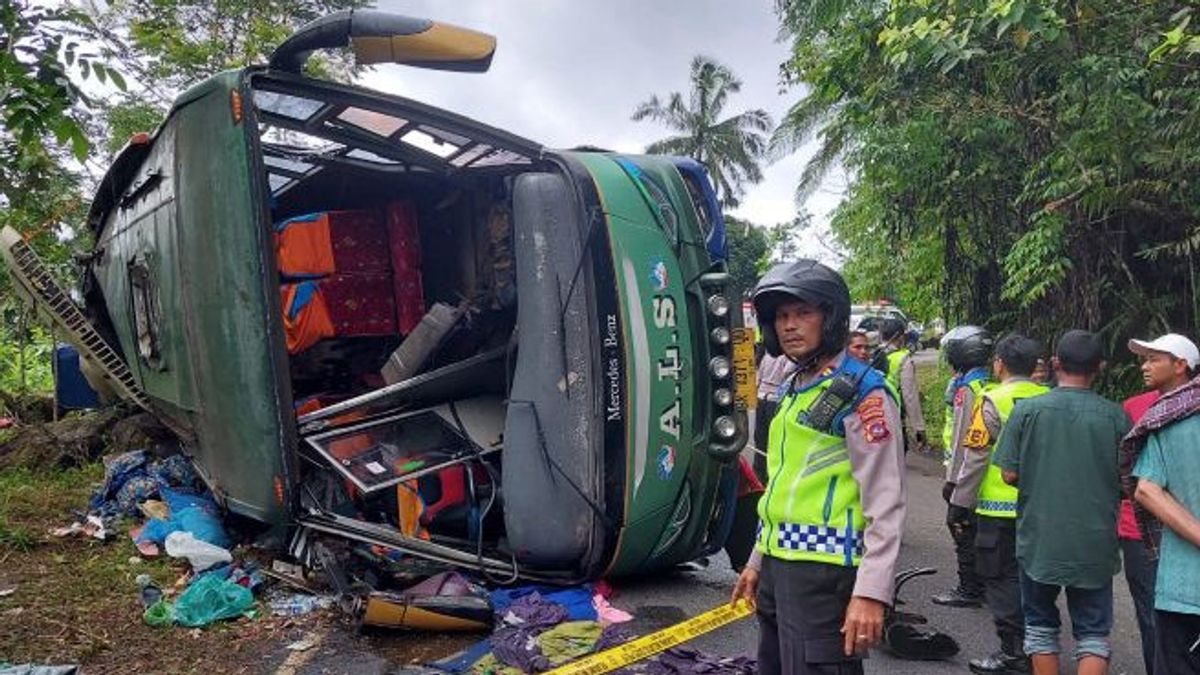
(969, 592)
(957, 597)
(1010, 659)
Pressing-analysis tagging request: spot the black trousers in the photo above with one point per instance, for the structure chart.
(964, 551)
(801, 608)
(1176, 643)
(764, 412)
(996, 563)
(1140, 573)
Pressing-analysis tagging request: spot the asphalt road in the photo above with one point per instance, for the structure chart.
(667, 599)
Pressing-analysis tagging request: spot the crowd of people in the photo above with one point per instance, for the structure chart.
(1048, 486)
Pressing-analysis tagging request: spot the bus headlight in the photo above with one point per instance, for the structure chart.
(723, 397)
(719, 367)
(719, 335)
(718, 306)
(724, 427)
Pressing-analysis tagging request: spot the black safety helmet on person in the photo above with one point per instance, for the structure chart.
(891, 328)
(968, 347)
(810, 281)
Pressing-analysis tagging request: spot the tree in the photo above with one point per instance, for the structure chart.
(1022, 163)
(176, 43)
(731, 149)
(46, 52)
(749, 253)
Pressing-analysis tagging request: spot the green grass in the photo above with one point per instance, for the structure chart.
(16, 537)
(931, 380)
(75, 600)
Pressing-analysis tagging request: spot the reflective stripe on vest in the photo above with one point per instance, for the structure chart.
(811, 509)
(998, 499)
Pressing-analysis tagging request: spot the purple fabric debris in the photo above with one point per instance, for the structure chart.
(613, 636)
(577, 600)
(518, 647)
(535, 611)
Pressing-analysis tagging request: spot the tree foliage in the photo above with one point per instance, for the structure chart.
(749, 253)
(731, 149)
(1021, 163)
(44, 51)
(176, 43)
(50, 51)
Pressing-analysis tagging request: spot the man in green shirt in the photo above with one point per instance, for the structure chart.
(1060, 451)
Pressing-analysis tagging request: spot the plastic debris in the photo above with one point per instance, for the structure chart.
(159, 614)
(91, 526)
(192, 513)
(210, 599)
(290, 569)
(296, 604)
(201, 554)
(31, 669)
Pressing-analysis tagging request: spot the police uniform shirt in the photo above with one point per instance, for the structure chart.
(876, 449)
(980, 436)
(964, 407)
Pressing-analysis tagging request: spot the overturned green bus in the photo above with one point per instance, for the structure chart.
(369, 317)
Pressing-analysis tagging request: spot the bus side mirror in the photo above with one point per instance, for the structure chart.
(382, 37)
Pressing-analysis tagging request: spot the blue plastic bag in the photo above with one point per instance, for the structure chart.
(190, 513)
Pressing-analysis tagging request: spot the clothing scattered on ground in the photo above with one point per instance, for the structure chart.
(1063, 446)
(134, 477)
(1170, 461)
(577, 601)
(536, 634)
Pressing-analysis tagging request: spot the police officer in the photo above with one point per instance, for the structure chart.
(831, 518)
(980, 487)
(968, 350)
(902, 375)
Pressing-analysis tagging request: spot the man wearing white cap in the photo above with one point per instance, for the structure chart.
(1162, 452)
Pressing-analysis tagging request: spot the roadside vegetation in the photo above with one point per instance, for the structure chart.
(75, 600)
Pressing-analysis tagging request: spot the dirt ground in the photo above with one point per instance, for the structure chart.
(75, 601)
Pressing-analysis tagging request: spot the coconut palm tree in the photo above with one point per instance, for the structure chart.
(731, 148)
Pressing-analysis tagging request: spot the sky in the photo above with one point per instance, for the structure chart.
(570, 73)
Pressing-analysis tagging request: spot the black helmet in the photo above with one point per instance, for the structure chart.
(967, 347)
(891, 328)
(810, 281)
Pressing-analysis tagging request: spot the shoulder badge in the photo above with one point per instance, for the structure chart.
(977, 437)
(959, 395)
(874, 424)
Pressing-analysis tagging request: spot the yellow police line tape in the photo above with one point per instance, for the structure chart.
(654, 643)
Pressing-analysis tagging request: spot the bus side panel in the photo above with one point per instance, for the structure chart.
(139, 277)
(230, 296)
